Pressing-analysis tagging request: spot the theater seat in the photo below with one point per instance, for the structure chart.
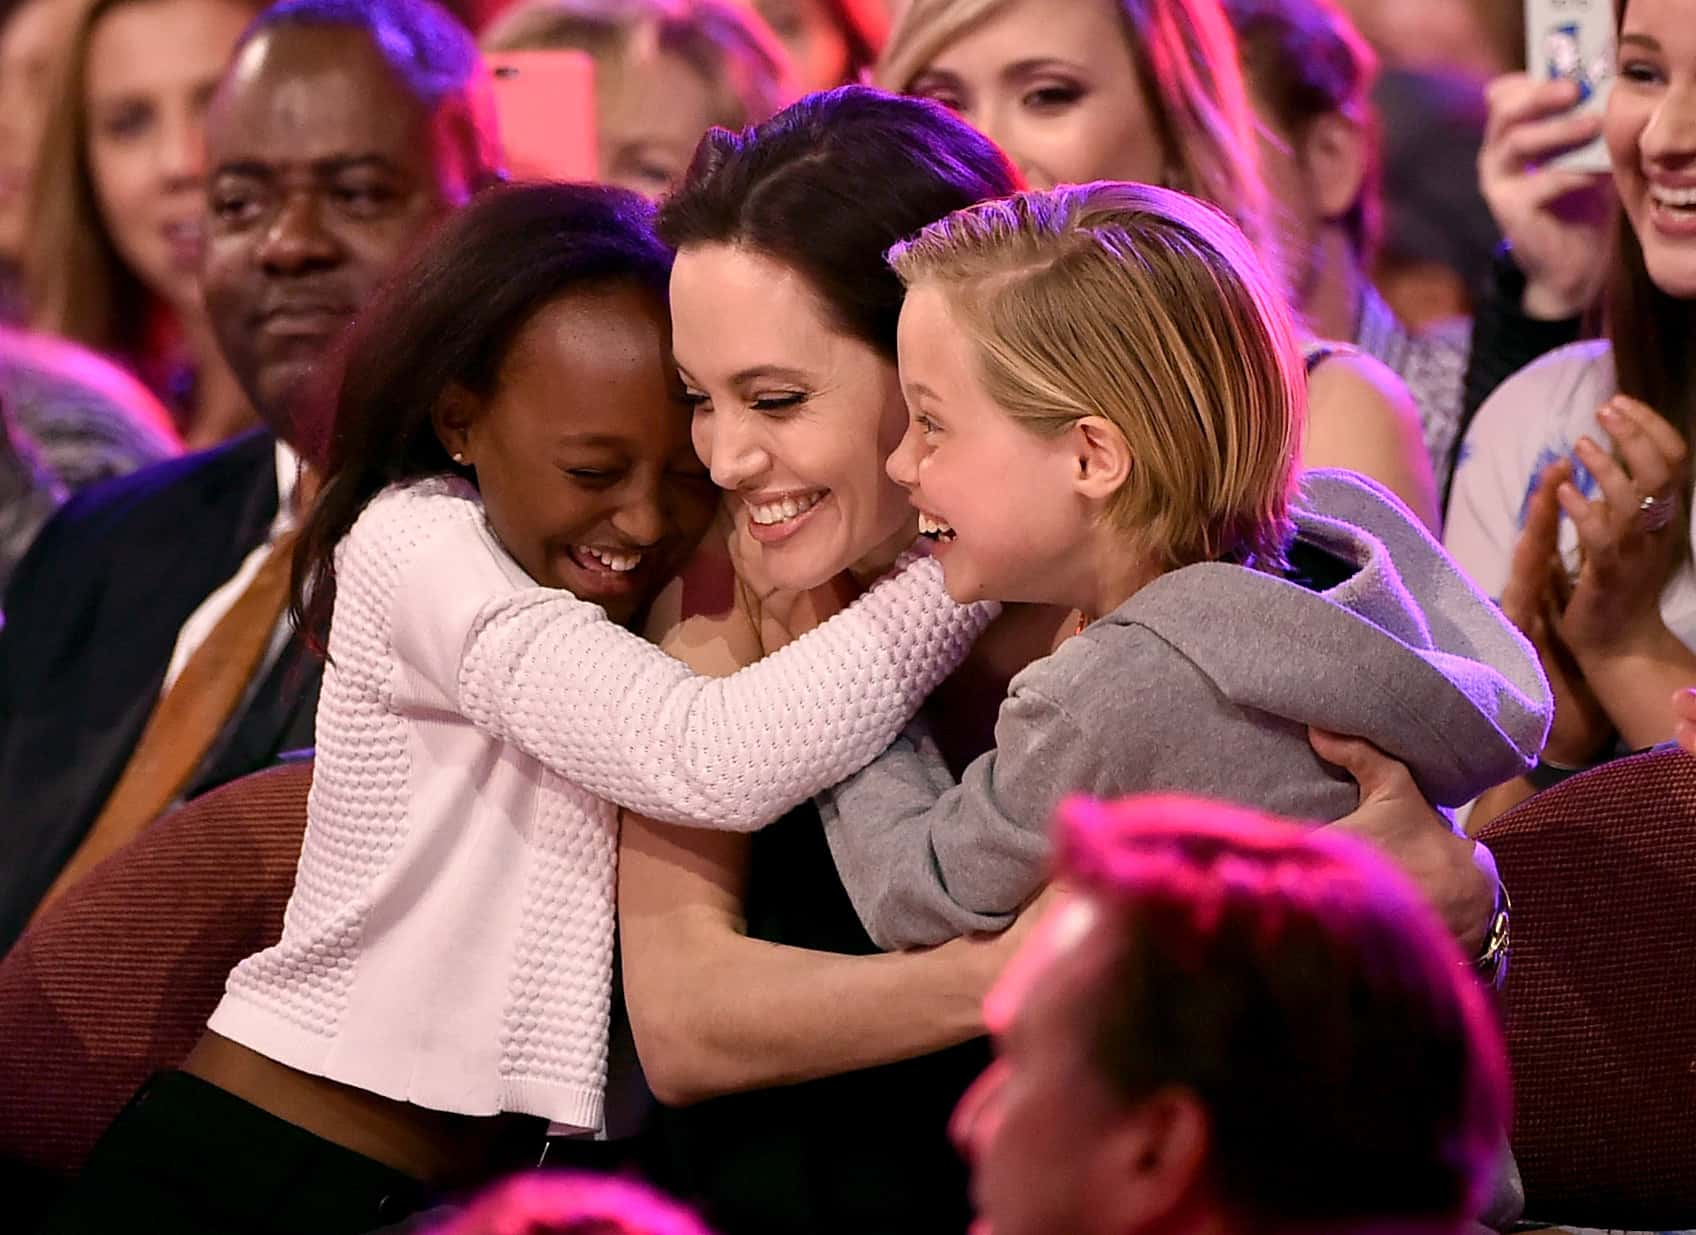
(117, 979)
(1601, 994)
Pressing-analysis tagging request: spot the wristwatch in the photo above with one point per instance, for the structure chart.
(1491, 964)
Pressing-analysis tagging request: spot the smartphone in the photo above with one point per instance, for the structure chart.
(1574, 40)
(545, 106)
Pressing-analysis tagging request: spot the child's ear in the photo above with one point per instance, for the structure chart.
(1101, 458)
(452, 417)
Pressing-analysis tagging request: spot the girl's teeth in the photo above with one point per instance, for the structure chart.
(1680, 198)
(788, 508)
(930, 525)
(620, 562)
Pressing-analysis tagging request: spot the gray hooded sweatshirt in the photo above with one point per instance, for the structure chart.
(1204, 682)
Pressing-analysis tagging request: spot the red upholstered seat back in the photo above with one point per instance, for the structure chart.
(116, 981)
(1601, 994)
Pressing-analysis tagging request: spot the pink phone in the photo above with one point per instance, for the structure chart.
(545, 105)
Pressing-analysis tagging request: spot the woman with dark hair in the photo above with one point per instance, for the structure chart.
(749, 977)
(1599, 432)
(509, 479)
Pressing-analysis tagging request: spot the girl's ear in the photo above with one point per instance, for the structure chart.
(452, 418)
(1101, 458)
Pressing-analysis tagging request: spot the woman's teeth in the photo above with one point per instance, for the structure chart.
(936, 529)
(620, 562)
(767, 513)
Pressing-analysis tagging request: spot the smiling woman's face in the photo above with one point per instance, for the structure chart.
(152, 68)
(794, 417)
(1055, 86)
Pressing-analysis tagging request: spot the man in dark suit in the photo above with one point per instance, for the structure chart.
(343, 131)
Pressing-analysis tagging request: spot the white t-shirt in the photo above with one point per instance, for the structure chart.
(1534, 419)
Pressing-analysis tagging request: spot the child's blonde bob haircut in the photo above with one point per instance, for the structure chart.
(1148, 308)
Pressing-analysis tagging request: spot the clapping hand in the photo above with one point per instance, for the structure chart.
(1629, 532)
(1532, 602)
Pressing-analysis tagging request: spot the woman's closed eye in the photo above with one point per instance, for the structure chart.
(777, 401)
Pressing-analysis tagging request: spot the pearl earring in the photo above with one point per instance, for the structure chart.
(459, 458)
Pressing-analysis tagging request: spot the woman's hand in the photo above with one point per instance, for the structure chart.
(1555, 220)
(1629, 550)
(1581, 727)
(1457, 875)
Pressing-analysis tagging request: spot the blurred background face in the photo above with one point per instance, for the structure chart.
(650, 123)
(325, 173)
(1053, 84)
(1029, 1124)
(27, 46)
(152, 68)
(1445, 34)
(817, 46)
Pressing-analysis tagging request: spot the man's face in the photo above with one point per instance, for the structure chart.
(325, 172)
(1032, 1124)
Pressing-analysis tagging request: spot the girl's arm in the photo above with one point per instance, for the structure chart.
(1361, 417)
(597, 704)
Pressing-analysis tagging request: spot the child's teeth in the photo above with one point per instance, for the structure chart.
(620, 562)
(1682, 198)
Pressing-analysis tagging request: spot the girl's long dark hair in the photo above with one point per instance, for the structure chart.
(448, 322)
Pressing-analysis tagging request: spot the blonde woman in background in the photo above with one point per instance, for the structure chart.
(666, 71)
(117, 209)
(1149, 91)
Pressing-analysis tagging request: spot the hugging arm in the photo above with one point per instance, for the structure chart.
(716, 1012)
(597, 704)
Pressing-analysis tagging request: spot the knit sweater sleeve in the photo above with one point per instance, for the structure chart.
(555, 677)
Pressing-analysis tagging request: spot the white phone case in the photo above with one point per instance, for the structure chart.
(1574, 39)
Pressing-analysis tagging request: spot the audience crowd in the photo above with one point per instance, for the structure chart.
(927, 648)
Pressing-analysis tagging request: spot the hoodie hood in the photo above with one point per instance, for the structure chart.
(1405, 651)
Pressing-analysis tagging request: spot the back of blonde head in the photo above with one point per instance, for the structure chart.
(1187, 64)
(1150, 309)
